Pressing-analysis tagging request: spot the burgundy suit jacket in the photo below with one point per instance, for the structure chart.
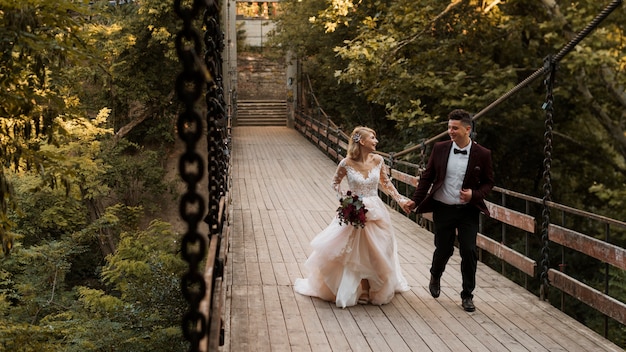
(478, 176)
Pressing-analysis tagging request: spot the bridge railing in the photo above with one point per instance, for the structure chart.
(218, 218)
(511, 237)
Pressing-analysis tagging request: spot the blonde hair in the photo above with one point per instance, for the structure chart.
(358, 133)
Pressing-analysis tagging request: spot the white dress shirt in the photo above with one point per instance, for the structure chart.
(450, 192)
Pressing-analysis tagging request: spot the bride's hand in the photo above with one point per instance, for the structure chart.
(408, 206)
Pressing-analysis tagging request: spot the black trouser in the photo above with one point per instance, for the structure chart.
(448, 219)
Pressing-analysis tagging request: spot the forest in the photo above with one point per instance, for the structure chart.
(87, 115)
(88, 111)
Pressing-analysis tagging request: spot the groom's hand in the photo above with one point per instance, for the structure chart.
(408, 206)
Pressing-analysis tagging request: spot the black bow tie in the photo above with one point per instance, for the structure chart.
(459, 151)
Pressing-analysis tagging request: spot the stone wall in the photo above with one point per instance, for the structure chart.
(260, 78)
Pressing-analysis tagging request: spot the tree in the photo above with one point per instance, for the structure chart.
(136, 308)
(62, 176)
(136, 78)
(596, 79)
(40, 39)
(296, 26)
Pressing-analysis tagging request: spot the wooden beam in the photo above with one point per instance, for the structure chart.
(213, 302)
(216, 322)
(512, 217)
(588, 295)
(207, 302)
(509, 255)
(605, 252)
(334, 154)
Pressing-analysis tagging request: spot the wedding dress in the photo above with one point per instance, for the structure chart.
(343, 254)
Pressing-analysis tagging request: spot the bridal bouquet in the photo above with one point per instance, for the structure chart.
(351, 210)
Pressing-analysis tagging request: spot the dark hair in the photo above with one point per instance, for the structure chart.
(461, 115)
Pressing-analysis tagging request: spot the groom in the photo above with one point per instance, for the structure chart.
(461, 175)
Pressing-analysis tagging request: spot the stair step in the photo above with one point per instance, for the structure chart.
(261, 113)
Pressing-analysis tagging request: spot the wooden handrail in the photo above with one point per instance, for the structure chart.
(605, 252)
(213, 303)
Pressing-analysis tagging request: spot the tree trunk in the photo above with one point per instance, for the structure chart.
(106, 240)
(140, 116)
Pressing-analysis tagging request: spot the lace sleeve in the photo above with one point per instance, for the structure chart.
(388, 187)
(339, 175)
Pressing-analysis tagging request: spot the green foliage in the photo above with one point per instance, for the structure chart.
(615, 199)
(117, 218)
(41, 38)
(306, 39)
(137, 309)
(44, 208)
(45, 214)
(66, 184)
(145, 274)
(136, 78)
(143, 265)
(33, 287)
(136, 175)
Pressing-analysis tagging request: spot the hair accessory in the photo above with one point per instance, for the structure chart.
(356, 137)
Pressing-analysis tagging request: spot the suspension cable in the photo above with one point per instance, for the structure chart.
(587, 30)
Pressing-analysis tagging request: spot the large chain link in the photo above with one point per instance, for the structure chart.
(189, 88)
(548, 106)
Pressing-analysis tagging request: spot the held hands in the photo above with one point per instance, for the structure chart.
(408, 206)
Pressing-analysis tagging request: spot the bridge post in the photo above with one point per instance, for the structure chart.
(229, 65)
(293, 82)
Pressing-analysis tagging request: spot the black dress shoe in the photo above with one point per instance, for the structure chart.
(434, 286)
(468, 305)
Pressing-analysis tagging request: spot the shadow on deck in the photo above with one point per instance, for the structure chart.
(282, 198)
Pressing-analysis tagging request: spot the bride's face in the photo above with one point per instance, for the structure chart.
(369, 141)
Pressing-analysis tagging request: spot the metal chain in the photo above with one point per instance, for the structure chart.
(548, 106)
(189, 88)
(217, 137)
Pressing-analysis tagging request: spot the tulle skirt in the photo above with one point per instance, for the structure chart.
(343, 255)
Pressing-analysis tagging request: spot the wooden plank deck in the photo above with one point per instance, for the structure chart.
(282, 198)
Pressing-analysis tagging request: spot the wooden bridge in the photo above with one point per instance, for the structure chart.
(281, 198)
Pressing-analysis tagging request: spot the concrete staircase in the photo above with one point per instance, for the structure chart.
(261, 113)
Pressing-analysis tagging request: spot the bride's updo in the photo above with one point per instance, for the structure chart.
(358, 133)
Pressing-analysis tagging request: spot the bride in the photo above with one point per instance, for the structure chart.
(352, 264)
